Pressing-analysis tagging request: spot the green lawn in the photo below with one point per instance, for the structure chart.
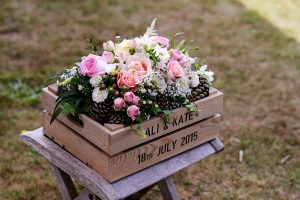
(253, 47)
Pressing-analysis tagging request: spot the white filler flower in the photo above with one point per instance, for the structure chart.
(95, 81)
(99, 95)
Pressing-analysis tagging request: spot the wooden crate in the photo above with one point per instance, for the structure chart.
(114, 139)
(114, 167)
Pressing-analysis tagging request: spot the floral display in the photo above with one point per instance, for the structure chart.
(132, 80)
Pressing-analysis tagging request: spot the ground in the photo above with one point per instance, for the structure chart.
(253, 47)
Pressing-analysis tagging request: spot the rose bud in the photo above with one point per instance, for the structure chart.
(133, 111)
(119, 102)
(128, 96)
(136, 100)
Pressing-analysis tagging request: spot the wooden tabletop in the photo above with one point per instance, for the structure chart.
(122, 188)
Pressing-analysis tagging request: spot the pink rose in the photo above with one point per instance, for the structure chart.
(176, 55)
(119, 102)
(128, 79)
(140, 64)
(161, 40)
(133, 111)
(174, 69)
(128, 96)
(108, 56)
(108, 46)
(92, 65)
(136, 100)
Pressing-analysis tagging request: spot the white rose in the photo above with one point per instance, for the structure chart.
(95, 81)
(99, 95)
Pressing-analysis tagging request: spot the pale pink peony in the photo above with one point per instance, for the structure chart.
(108, 46)
(174, 69)
(161, 40)
(129, 96)
(108, 57)
(128, 79)
(119, 102)
(136, 100)
(92, 65)
(140, 64)
(133, 111)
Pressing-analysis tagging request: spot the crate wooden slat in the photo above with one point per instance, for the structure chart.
(114, 139)
(134, 159)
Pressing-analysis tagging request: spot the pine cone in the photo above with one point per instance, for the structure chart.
(116, 118)
(199, 92)
(102, 111)
(162, 101)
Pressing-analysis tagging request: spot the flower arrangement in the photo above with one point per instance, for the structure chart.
(132, 80)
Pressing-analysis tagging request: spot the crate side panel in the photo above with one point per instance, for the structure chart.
(92, 130)
(146, 155)
(126, 138)
(76, 145)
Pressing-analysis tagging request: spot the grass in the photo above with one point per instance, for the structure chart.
(253, 49)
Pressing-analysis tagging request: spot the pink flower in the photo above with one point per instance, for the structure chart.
(140, 64)
(108, 56)
(129, 96)
(174, 69)
(136, 100)
(92, 65)
(184, 61)
(119, 102)
(161, 40)
(108, 46)
(133, 111)
(176, 54)
(128, 79)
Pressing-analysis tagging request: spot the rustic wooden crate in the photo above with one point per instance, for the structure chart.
(114, 139)
(114, 167)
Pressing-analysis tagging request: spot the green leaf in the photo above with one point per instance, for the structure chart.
(138, 129)
(192, 107)
(67, 108)
(166, 115)
(55, 114)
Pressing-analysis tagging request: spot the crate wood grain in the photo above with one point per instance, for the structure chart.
(113, 138)
(134, 159)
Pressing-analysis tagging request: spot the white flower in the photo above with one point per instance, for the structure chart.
(162, 53)
(194, 80)
(110, 68)
(108, 46)
(79, 87)
(144, 41)
(72, 71)
(143, 90)
(158, 80)
(95, 81)
(99, 95)
(208, 74)
(183, 85)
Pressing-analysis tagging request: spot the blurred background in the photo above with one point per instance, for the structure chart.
(252, 45)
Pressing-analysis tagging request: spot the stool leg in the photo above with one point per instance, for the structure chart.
(64, 183)
(168, 189)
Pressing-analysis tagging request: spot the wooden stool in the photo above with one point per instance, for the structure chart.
(64, 166)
